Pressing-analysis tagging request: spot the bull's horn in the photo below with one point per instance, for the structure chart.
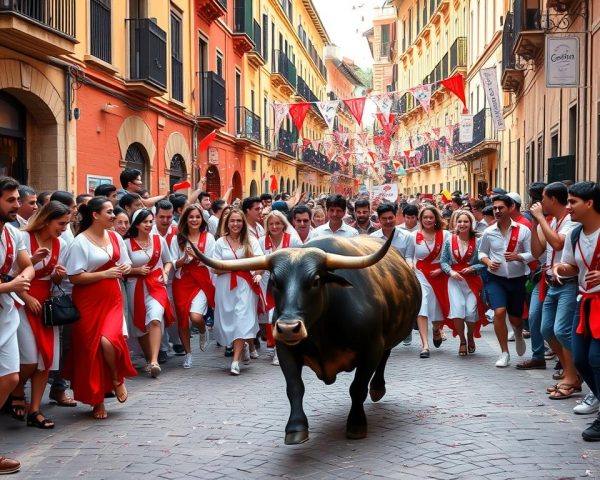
(242, 265)
(334, 261)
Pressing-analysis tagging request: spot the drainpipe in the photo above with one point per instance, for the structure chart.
(587, 83)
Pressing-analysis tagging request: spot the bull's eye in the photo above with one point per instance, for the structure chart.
(317, 281)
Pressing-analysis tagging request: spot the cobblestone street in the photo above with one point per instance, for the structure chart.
(442, 418)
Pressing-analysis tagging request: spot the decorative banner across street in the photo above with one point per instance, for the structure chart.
(329, 111)
(281, 111)
(489, 80)
(387, 192)
(384, 103)
(422, 94)
(298, 113)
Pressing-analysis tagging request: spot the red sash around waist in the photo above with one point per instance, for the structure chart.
(593, 300)
(438, 284)
(264, 304)
(10, 253)
(475, 284)
(44, 336)
(194, 278)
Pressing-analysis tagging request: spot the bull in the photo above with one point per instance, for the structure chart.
(341, 304)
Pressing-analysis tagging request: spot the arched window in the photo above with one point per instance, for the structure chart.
(281, 185)
(288, 185)
(236, 183)
(213, 182)
(177, 171)
(253, 188)
(136, 157)
(293, 186)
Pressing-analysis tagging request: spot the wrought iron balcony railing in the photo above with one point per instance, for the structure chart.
(212, 101)
(147, 52)
(56, 15)
(247, 124)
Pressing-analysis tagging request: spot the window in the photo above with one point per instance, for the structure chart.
(540, 161)
(100, 30)
(238, 99)
(176, 58)
(573, 130)
(554, 150)
(136, 158)
(219, 68)
(177, 170)
(265, 39)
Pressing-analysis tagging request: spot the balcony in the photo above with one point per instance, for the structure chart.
(484, 138)
(458, 57)
(147, 57)
(384, 51)
(304, 91)
(407, 103)
(40, 28)
(255, 56)
(283, 73)
(284, 143)
(211, 10)
(561, 6)
(512, 77)
(528, 35)
(212, 100)
(247, 125)
(243, 28)
(318, 160)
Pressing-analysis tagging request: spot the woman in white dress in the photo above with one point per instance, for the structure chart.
(39, 345)
(146, 285)
(424, 252)
(99, 358)
(237, 294)
(278, 234)
(193, 289)
(460, 261)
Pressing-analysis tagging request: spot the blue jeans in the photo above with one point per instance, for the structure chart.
(535, 322)
(557, 313)
(586, 355)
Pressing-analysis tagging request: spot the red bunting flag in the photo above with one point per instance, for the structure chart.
(205, 142)
(298, 113)
(456, 84)
(356, 107)
(181, 186)
(273, 183)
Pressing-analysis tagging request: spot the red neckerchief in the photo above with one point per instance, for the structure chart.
(456, 250)
(285, 242)
(594, 261)
(514, 238)
(171, 232)
(201, 245)
(437, 247)
(52, 263)
(10, 253)
(156, 250)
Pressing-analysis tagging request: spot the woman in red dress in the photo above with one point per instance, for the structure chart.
(99, 359)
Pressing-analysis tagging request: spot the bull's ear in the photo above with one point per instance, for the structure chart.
(336, 280)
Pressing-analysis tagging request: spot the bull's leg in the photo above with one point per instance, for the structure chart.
(356, 426)
(377, 387)
(296, 430)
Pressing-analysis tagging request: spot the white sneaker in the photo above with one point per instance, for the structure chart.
(275, 360)
(520, 344)
(511, 336)
(254, 355)
(155, 370)
(246, 354)
(408, 340)
(587, 406)
(235, 368)
(489, 314)
(503, 360)
(203, 341)
(187, 361)
(270, 353)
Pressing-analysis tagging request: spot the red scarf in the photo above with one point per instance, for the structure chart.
(264, 305)
(514, 238)
(40, 290)
(439, 284)
(10, 253)
(593, 299)
(195, 278)
(154, 287)
(171, 232)
(285, 243)
(466, 258)
(542, 287)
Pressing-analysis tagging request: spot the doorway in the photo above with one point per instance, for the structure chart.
(12, 138)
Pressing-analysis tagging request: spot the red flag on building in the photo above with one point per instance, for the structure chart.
(273, 183)
(298, 113)
(205, 142)
(456, 84)
(356, 107)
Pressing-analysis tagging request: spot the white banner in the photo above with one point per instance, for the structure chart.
(562, 61)
(281, 111)
(387, 192)
(384, 103)
(329, 111)
(465, 134)
(489, 80)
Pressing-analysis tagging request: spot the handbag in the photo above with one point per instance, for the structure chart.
(59, 310)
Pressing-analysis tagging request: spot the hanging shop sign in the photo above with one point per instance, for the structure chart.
(562, 62)
(465, 134)
(213, 156)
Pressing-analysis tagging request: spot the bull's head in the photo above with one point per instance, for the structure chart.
(298, 277)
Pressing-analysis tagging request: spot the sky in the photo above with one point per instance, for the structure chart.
(345, 22)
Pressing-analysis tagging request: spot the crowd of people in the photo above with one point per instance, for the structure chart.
(130, 263)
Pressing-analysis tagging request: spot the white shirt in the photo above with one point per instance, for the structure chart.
(481, 225)
(257, 232)
(493, 246)
(18, 243)
(413, 229)
(588, 245)
(84, 256)
(213, 224)
(177, 253)
(325, 230)
(564, 229)
(401, 239)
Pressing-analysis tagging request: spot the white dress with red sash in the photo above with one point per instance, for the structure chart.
(39, 344)
(236, 301)
(11, 243)
(156, 306)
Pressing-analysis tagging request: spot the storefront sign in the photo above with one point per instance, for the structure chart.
(562, 61)
(465, 134)
(213, 156)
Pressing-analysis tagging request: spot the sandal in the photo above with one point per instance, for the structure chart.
(120, 392)
(471, 346)
(437, 338)
(564, 391)
(44, 423)
(424, 353)
(17, 411)
(62, 399)
(462, 350)
(558, 386)
(99, 412)
(558, 375)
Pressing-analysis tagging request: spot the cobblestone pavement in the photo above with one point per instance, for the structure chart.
(442, 418)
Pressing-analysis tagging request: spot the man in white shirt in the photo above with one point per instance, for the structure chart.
(301, 221)
(336, 209)
(505, 249)
(477, 207)
(581, 257)
(411, 218)
(252, 208)
(386, 213)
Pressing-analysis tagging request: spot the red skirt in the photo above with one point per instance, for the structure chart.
(44, 336)
(101, 307)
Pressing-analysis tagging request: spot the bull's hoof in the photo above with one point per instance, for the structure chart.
(377, 393)
(296, 438)
(356, 433)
